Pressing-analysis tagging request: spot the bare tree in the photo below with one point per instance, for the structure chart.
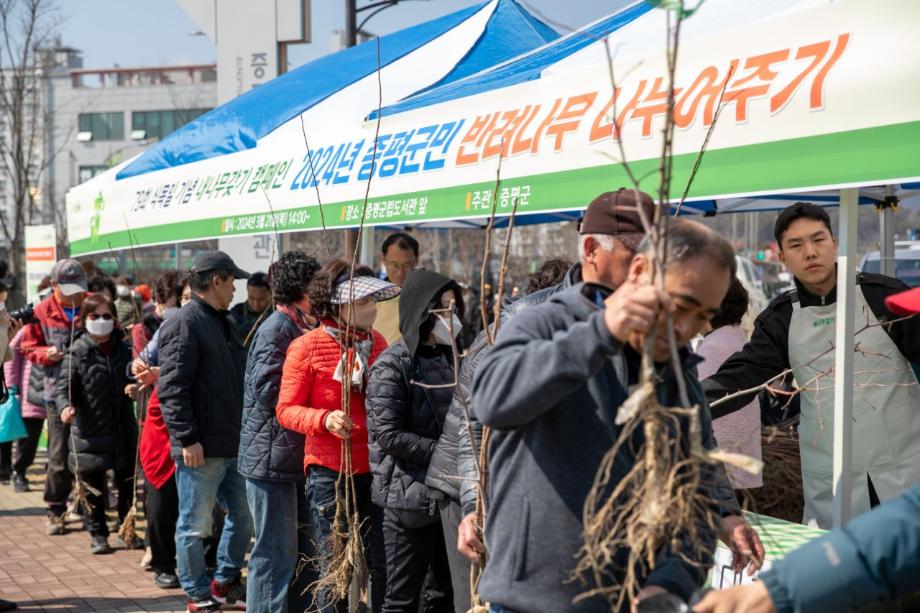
(26, 26)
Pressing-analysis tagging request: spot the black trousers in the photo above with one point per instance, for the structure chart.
(409, 553)
(6, 457)
(460, 567)
(59, 479)
(162, 511)
(124, 484)
(321, 486)
(26, 447)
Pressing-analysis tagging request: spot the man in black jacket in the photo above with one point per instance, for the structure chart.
(795, 333)
(201, 394)
(248, 315)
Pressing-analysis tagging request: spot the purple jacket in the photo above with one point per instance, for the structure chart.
(17, 372)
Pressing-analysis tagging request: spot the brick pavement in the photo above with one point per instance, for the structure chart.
(57, 573)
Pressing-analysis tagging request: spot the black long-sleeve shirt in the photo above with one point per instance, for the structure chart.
(767, 353)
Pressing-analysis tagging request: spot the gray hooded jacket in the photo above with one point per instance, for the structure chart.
(550, 388)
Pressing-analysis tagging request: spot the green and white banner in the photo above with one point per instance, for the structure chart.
(818, 95)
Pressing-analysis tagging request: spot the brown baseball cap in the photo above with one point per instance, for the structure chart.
(617, 214)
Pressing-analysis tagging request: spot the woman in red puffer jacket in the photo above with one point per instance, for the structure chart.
(310, 401)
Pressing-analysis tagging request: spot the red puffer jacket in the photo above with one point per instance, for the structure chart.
(309, 393)
(154, 452)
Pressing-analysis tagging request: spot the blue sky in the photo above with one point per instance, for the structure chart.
(156, 32)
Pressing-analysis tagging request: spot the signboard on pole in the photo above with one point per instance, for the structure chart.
(41, 254)
(250, 38)
(252, 254)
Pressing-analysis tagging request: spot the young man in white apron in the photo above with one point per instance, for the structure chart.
(797, 332)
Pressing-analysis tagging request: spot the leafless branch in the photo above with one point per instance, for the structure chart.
(319, 201)
(487, 251)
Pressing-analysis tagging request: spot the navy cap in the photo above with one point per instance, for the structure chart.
(217, 260)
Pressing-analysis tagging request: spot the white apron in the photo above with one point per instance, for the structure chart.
(886, 410)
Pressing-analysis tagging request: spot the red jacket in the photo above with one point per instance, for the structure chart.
(154, 452)
(53, 328)
(309, 393)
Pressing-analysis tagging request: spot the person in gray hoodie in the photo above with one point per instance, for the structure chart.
(550, 389)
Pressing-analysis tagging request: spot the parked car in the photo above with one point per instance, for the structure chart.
(753, 283)
(775, 279)
(906, 262)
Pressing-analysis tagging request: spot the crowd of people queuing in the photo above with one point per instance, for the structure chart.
(243, 413)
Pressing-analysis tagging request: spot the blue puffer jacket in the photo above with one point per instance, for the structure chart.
(268, 451)
(875, 558)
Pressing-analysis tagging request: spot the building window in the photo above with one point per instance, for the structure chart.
(103, 126)
(157, 124)
(88, 172)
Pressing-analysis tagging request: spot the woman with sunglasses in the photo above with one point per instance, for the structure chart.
(337, 355)
(104, 428)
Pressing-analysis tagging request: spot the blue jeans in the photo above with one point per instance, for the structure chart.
(280, 515)
(321, 486)
(217, 481)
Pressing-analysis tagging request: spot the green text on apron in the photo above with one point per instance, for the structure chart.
(886, 428)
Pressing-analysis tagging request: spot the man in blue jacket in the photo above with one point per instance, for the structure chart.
(550, 389)
(875, 558)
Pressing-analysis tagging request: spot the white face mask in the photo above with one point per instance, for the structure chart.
(123, 291)
(441, 330)
(100, 327)
(2, 306)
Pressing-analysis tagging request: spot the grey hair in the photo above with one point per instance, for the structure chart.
(690, 239)
(606, 241)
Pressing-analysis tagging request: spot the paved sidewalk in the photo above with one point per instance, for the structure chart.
(57, 573)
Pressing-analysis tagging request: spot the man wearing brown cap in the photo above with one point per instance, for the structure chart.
(610, 234)
(550, 388)
(611, 231)
(43, 343)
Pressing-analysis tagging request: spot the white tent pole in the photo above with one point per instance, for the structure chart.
(843, 355)
(367, 254)
(886, 235)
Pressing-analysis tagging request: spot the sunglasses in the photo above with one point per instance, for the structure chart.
(103, 316)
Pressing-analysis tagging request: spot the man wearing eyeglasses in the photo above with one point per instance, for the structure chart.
(400, 257)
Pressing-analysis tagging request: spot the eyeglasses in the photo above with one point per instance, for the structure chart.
(395, 266)
(442, 310)
(103, 316)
